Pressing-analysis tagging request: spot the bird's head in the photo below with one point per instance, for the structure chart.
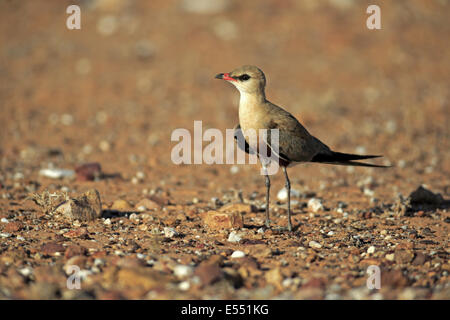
(247, 79)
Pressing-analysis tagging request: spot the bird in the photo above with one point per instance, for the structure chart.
(295, 144)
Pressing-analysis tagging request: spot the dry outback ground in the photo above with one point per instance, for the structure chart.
(101, 104)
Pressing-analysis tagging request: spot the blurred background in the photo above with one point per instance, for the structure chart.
(114, 91)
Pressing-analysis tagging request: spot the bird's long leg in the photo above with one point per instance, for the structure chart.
(266, 175)
(288, 187)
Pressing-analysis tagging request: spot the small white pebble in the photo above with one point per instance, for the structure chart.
(140, 175)
(315, 205)
(371, 250)
(183, 271)
(140, 256)
(170, 232)
(184, 286)
(99, 262)
(238, 254)
(368, 192)
(390, 257)
(76, 223)
(234, 169)
(315, 244)
(360, 150)
(283, 194)
(67, 119)
(107, 221)
(331, 233)
(287, 282)
(18, 176)
(234, 237)
(141, 208)
(4, 220)
(26, 271)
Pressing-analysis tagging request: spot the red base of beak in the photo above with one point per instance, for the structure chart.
(225, 76)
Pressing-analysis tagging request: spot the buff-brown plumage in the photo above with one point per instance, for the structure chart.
(295, 143)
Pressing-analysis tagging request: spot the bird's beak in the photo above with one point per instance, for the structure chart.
(225, 76)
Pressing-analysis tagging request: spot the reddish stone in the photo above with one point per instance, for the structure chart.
(222, 220)
(208, 272)
(99, 254)
(88, 171)
(315, 283)
(75, 233)
(74, 250)
(51, 248)
(13, 226)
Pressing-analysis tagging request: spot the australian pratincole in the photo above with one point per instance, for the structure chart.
(295, 144)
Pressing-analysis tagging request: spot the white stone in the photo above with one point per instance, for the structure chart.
(371, 250)
(282, 195)
(315, 244)
(287, 282)
(183, 271)
(368, 192)
(315, 205)
(238, 254)
(56, 173)
(390, 257)
(170, 232)
(184, 286)
(234, 237)
(26, 271)
(234, 169)
(140, 256)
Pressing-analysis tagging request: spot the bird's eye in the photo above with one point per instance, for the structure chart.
(244, 77)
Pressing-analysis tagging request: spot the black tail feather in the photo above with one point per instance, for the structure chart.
(345, 159)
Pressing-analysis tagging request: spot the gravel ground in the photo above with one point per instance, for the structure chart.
(92, 207)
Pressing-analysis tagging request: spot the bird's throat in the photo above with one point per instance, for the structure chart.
(251, 106)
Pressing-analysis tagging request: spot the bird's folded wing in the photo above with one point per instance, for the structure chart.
(295, 144)
(240, 140)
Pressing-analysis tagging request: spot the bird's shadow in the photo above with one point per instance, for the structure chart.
(105, 176)
(109, 213)
(413, 208)
(274, 228)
